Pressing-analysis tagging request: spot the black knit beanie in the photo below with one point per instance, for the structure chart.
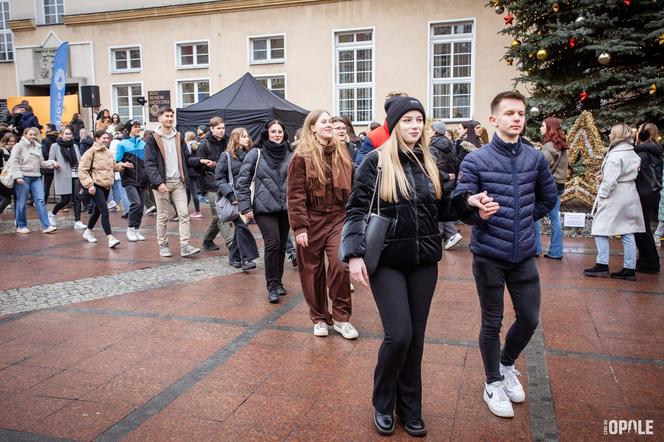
(397, 106)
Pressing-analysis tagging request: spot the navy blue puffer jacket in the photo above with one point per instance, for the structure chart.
(517, 177)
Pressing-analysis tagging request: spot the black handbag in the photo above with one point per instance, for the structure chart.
(375, 232)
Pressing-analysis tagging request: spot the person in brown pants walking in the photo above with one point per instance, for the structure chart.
(319, 182)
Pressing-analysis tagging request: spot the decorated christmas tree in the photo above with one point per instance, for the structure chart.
(602, 56)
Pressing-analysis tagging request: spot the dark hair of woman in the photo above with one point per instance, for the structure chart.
(554, 133)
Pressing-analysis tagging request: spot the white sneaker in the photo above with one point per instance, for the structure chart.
(165, 251)
(89, 236)
(131, 234)
(497, 400)
(454, 239)
(112, 206)
(150, 209)
(658, 240)
(51, 218)
(320, 329)
(50, 229)
(112, 241)
(22, 230)
(346, 329)
(352, 287)
(138, 235)
(79, 225)
(511, 384)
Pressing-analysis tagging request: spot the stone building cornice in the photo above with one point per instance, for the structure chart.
(160, 12)
(24, 24)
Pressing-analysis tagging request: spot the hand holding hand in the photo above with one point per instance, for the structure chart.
(487, 207)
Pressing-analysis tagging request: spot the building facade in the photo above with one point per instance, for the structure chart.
(340, 55)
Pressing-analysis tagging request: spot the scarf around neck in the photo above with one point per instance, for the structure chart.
(68, 151)
(275, 152)
(340, 171)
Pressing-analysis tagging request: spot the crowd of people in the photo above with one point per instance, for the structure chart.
(375, 209)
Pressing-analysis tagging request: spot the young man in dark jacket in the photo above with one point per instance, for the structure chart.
(517, 177)
(134, 180)
(166, 161)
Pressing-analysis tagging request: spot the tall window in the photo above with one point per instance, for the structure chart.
(126, 59)
(192, 91)
(275, 83)
(6, 42)
(124, 101)
(354, 74)
(193, 55)
(53, 11)
(451, 70)
(267, 49)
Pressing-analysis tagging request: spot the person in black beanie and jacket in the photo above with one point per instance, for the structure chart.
(47, 174)
(409, 191)
(267, 167)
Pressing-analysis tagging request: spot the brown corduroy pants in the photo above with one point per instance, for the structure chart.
(324, 235)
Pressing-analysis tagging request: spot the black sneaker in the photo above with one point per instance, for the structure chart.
(281, 291)
(598, 270)
(236, 264)
(273, 296)
(415, 428)
(248, 265)
(209, 245)
(626, 274)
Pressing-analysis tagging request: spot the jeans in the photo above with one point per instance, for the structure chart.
(136, 196)
(100, 199)
(629, 248)
(522, 281)
(403, 298)
(119, 195)
(74, 197)
(31, 185)
(556, 244)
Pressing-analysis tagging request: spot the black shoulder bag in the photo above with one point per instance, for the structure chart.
(375, 232)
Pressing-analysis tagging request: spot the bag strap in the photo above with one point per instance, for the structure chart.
(258, 160)
(230, 174)
(378, 174)
(557, 163)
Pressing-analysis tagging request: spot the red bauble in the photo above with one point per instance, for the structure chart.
(583, 95)
(628, 2)
(509, 18)
(572, 42)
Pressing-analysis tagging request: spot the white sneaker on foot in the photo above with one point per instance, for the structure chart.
(131, 234)
(658, 239)
(50, 229)
(320, 329)
(22, 230)
(112, 241)
(89, 236)
(79, 225)
(352, 287)
(51, 218)
(346, 329)
(454, 239)
(138, 235)
(165, 251)
(188, 250)
(511, 384)
(112, 206)
(497, 400)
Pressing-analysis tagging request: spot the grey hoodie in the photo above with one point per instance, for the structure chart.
(170, 152)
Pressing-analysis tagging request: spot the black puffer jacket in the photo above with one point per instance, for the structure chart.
(651, 154)
(270, 184)
(210, 148)
(413, 237)
(446, 159)
(224, 187)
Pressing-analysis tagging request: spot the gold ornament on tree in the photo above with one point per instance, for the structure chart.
(555, 7)
(516, 43)
(542, 54)
(652, 89)
(604, 58)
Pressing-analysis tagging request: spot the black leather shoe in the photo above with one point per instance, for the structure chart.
(281, 291)
(553, 257)
(598, 270)
(625, 274)
(384, 423)
(248, 265)
(648, 270)
(209, 245)
(415, 428)
(273, 296)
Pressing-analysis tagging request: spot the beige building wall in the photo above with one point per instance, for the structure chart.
(401, 48)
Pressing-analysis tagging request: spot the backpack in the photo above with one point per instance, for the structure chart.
(647, 183)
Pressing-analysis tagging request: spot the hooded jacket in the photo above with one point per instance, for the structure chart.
(28, 119)
(132, 150)
(517, 177)
(155, 163)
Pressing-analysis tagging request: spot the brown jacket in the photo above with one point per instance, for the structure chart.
(553, 155)
(97, 166)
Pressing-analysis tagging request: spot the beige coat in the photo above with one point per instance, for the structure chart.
(97, 166)
(26, 159)
(552, 156)
(617, 207)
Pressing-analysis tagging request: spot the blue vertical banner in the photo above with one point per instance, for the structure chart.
(58, 83)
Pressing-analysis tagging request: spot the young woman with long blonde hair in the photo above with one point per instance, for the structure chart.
(319, 182)
(409, 192)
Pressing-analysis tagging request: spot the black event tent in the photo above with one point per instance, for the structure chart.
(245, 103)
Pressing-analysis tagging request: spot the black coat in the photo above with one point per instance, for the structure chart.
(651, 154)
(46, 150)
(413, 237)
(85, 144)
(441, 148)
(270, 184)
(224, 187)
(210, 149)
(154, 162)
(353, 147)
(28, 119)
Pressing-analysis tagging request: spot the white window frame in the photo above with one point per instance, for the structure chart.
(9, 36)
(178, 84)
(472, 37)
(335, 71)
(269, 60)
(114, 100)
(129, 70)
(40, 9)
(270, 76)
(193, 43)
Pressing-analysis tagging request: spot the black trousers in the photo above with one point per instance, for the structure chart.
(403, 298)
(99, 200)
(192, 191)
(522, 281)
(244, 246)
(645, 243)
(274, 228)
(73, 197)
(47, 178)
(136, 196)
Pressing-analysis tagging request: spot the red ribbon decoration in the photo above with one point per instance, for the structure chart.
(583, 95)
(572, 42)
(509, 18)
